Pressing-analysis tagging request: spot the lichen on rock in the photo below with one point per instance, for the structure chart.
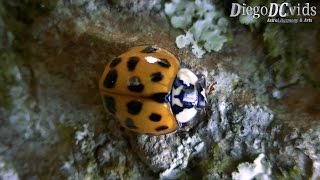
(203, 22)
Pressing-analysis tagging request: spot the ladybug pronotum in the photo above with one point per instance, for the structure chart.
(148, 92)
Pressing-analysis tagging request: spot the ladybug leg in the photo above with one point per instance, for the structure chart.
(121, 128)
(211, 87)
(181, 125)
(202, 80)
(185, 126)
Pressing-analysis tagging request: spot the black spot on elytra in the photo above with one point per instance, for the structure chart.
(111, 79)
(132, 63)
(135, 84)
(159, 97)
(136, 88)
(155, 117)
(134, 107)
(164, 63)
(150, 49)
(115, 62)
(161, 128)
(130, 124)
(156, 77)
(110, 104)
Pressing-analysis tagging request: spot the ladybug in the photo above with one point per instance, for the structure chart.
(148, 92)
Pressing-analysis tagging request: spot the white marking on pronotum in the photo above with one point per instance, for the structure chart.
(177, 100)
(191, 96)
(151, 59)
(186, 115)
(187, 76)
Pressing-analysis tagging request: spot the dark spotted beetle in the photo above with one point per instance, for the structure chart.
(148, 92)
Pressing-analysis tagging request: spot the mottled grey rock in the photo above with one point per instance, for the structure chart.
(50, 107)
(7, 172)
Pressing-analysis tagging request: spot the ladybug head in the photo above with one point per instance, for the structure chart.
(187, 95)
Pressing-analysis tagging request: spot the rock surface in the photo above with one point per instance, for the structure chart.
(53, 124)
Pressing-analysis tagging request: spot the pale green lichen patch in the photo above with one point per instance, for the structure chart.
(260, 169)
(218, 163)
(204, 25)
(290, 173)
(80, 163)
